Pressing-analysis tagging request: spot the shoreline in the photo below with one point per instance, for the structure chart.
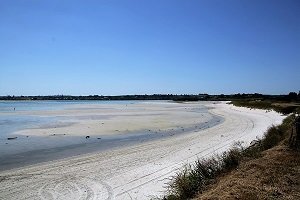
(139, 171)
(95, 145)
(106, 125)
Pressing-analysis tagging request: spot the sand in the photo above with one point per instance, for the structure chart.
(117, 124)
(138, 171)
(106, 119)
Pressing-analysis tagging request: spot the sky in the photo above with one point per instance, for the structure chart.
(110, 47)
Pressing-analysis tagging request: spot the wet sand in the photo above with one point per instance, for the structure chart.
(107, 126)
(138, 170)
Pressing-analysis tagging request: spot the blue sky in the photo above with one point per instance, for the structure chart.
(110, 47)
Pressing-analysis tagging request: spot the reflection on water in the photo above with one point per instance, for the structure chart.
(10, 121)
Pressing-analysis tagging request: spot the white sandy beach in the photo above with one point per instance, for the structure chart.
(138, 171)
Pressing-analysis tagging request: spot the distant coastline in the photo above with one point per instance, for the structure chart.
(171, 97)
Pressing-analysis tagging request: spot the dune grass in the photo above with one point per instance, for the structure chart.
(195, 179)
(274, 175)
(281, 107)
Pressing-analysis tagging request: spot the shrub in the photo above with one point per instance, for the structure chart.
(196, 178)
(182, 186)
(271, 137)
(231, 159)
(252, 151)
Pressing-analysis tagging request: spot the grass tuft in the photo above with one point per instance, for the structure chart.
(195, 179)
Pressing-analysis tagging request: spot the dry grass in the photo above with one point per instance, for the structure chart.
(275, 175)
(284, 108)
(262, 173)
(196, 178)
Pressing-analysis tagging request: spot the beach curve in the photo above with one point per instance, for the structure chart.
(135, 172)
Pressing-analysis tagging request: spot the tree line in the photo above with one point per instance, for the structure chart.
(290, 97)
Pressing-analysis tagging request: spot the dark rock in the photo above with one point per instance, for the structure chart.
(12, 138)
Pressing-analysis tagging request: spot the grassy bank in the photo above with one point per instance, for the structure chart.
(281, 107)
(274, 175)
(198, 179)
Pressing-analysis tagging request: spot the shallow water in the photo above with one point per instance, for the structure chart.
(10, 106)
(12, 120)
(26, 150)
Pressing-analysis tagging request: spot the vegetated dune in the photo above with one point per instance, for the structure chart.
(276, 175)
(135, 172)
